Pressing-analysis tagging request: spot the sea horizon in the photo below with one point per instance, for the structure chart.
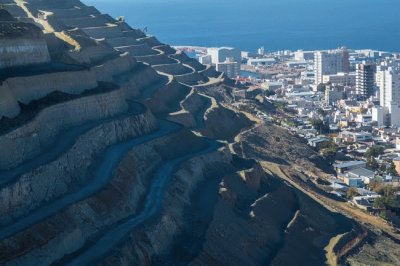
(276, 25)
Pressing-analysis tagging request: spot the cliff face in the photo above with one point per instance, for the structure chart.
(56, 178)
(117, 152)
(21, 43)
(23, 51)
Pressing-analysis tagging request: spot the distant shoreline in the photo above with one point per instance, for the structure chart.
(277, 25)
(204, 48)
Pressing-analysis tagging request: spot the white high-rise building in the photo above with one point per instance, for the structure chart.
(389, 86)
(388, 81)
(220, 54)
(379, 115)
(380, 70)
(226, 59)
(261, 50)
(330, 63)
(301, 55)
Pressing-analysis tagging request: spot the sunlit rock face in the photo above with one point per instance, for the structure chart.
(21, 43)
(123, 151)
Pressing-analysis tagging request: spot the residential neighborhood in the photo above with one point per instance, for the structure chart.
(344, 104)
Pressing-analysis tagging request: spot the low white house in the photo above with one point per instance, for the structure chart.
(317, 141)
(361, 173)
(353, 181)
(261, 61)
(346, 166)
(365, 202)
(355, 136)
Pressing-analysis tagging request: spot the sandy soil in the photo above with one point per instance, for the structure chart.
(379, 250)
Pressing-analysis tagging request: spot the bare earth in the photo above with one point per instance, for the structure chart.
(287, 157)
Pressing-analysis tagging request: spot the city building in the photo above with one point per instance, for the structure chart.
(389, 91)
(333, 94)
(389, 87)
(220, 54)
(348, 79)
(297, 64)
(230, 67)
(318, 141)
(261, 61)
(245, 54)
(363, 173)
(330, 63)
(363, 118)
(346, 166)
(365, 202)
(205, 59)
(273, 85)
(225, 59)
(353, 181)
(349, 136)
(261, 50)
(379, 116)
(365, 80)
(301, 55)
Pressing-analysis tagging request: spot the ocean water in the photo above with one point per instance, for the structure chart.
(275, 24)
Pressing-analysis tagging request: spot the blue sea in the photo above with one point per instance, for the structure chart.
(275, 24)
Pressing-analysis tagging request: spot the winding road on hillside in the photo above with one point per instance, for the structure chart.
(153, 204)
(102, 174)
(63, 143)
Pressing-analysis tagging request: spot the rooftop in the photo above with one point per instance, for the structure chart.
(362, 172)
(349, 164)
(221, 48)
(262, 60)
(319, 138)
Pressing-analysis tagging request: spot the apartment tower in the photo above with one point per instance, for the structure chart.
(330, 63)
(365, 80)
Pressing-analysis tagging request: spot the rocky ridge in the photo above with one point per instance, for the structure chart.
(142, 169)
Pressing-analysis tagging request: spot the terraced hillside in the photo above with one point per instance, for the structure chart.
(117, 152)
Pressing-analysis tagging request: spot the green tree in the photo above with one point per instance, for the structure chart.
(386, 202)
(372, 163)
(321, 112)
(329, 155)
(329, 145)
(385, 190)
(388, 198)
(319, 125)
(268, 93)
(321, 87)
(347, 143)
(329, 150)
(280, 106)
(383, 215)
(379, 203)
(374, 151)
(391, 170)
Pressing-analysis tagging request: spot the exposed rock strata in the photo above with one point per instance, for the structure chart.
(43, 184)
(127, 187)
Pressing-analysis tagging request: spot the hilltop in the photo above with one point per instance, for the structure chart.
(119, 150)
